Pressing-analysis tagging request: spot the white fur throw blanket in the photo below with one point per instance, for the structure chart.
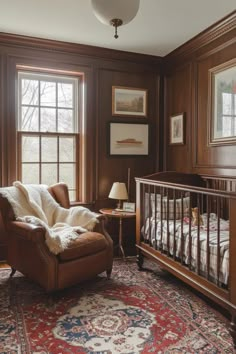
(33, 203)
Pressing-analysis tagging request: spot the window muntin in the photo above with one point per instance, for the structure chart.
(48, 129)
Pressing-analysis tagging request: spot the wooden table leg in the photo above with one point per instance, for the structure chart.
(121, 238)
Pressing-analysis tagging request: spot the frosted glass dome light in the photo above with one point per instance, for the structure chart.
(115, 12)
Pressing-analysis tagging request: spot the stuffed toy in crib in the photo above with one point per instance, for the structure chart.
(196, 217)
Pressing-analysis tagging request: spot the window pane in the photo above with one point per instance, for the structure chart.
(30, 173)
(49, 149)
(72, 195)
(65, 121)
(49, 173)
(30, 119)
(226, 131)
(30, 149)
(67, 174)
(227, 103)
(48, 120)
(65, 95)
(67, 149)
(47, 93)
(29, 92)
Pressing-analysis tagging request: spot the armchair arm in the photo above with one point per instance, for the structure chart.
(101, 227)
(27, 231)
(102, 221)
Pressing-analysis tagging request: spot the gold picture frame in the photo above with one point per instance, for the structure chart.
(129, 101)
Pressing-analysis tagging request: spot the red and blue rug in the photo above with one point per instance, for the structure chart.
(134, 312)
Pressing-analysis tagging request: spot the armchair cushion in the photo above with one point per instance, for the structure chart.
(86, 244)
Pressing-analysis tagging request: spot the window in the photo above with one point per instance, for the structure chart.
(48, 134)
(223, 103)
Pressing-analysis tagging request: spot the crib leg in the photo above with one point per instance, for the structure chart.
(233, 328)
(140, 260)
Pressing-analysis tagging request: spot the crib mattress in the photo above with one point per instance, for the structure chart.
(156, 233)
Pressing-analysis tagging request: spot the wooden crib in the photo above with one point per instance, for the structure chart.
(187, 223)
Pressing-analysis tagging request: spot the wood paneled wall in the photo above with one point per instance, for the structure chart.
(187, 90)
(103, 68)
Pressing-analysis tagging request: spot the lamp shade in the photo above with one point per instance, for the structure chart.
(107, 10)
(118, 191)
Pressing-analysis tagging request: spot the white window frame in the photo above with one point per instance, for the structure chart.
(77, 107)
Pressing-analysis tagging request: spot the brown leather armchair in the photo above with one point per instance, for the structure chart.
(27, 252)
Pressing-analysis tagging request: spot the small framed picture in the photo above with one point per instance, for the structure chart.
(129, 207)
(177, 129)
(128, 139)
(129, 101)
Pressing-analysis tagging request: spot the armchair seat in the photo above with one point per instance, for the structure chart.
(86, 244)
(91, 253)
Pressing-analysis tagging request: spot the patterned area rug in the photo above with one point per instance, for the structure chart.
(134, 312)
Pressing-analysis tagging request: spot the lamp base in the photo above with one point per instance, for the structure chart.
(119, 206)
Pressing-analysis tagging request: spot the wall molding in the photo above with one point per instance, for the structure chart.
(210, 34)
(15, 40)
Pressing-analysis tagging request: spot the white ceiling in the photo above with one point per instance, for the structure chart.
(159, 27)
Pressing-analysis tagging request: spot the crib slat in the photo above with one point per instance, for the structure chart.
(218, 241)
(155, 215)
(161, 211)
(198, 237)
(189, 233)
(181, 230)
(168, 226)
(174, 233)
(149, 216)
(144, 207)
(208, 238)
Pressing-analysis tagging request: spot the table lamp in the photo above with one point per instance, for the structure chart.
(119, 192)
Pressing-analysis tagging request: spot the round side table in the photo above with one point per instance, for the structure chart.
(112, 213)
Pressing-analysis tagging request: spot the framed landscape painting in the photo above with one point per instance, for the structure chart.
(128, 101)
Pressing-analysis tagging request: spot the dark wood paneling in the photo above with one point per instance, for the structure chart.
(206, 155)
(115, 168)
(178, 95)
(187, 90)
(103, 68)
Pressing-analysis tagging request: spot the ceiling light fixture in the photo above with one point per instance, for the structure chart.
(115, 12)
